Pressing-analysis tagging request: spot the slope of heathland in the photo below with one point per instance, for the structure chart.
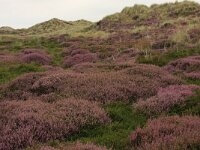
(129, 81)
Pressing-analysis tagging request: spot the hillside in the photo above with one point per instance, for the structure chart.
(56, 26)
(7, 30)
(153, 16)
(129, 81)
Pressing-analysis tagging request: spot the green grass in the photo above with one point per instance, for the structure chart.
(191, 81)
(10, 72)
(115, 134)
(161, 59)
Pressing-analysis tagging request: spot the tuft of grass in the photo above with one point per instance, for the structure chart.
(116, 134)
(10, 72)
(161, 59)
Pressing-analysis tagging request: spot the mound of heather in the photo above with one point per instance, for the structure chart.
(195, 75)
(77, 146)
(100, 67)
(36, 56)
(80, 58)
(20, 88)
(168, 133)
(184, 65)
(8, 58)
(139, 81)
(24, 123)
(166, 98)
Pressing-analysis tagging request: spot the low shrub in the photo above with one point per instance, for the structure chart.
(9, 59)
(168, 133)
(193, 75)
(25, 122)
(187, 64)
(166, 99)
(36, 56)
(21, 86)
(76, 146)
(80, 58)
(139, 81)
(79, 51)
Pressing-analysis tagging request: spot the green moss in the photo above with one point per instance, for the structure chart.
(116, 134)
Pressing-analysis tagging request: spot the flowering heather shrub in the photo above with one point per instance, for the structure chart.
(7, 58)
(153, 72)
(37, 56)
(79, 51)
(85, 68)
(168, 133)
(72, 52)
(100, 67)
(52, 68)
(126, 84)
(166, 98)
(22, 123)
(193, 75)
(20, 88)
(80, 58)
(77, 146)
(51, 83)
(188, 64)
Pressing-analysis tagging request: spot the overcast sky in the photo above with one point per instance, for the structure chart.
(25, 13)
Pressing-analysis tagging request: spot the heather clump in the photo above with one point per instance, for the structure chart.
(80, 58)
(79, 51)
(153, 72)
(76, 146)
(36, 56)
(9, 59)
(166, 99)
(100, 67)
(20, 88)
(24, 123)
(123, 85)
(168, 133)
(184, 65)
(193, 75)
